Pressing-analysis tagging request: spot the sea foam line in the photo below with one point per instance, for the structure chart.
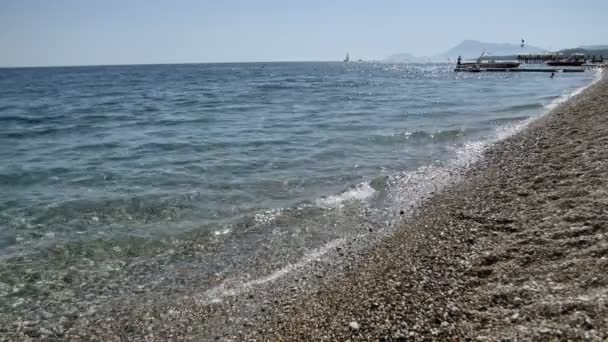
(507, 131)
(361, 192)
(231, 288)
(596, 77)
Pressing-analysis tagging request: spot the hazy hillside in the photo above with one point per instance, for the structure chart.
(593, 47)
(473, 48)
(598, 51)
(467, 49)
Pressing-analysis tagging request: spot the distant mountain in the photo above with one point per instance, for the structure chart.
(473, 48)
(467, 49)
(593, 47)
(598, 50)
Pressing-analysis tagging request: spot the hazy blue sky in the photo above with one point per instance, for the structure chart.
(75, 32)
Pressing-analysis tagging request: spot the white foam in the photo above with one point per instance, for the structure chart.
(408, 188)
(220, 232)
(267, 216)
(506, 131)
(234, 287)
(565, 97)
(361, 192)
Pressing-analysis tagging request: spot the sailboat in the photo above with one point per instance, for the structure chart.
(346, 59)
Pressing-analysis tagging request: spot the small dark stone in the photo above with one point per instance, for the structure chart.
(31, 332)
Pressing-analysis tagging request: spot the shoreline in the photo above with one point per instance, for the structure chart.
(266, 307)
(516, 250)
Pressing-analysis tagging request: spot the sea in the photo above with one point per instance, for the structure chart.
(252, 158)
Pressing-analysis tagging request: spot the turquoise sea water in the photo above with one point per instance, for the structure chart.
(292, 153)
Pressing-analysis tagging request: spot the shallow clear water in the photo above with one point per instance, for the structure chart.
(306, 151)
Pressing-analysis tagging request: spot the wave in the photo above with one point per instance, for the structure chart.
(44, 131)
(421, 137)
(507, 120)
(448, 135)
(93, 147)
(361, 192)
(29, 177)
(162, 147)
(26, 120)
(7, 107)
(520, 107)
(234, 287)
(135, 212)
(177, 122)
(278, 86)
(564, 97)
(400, 191)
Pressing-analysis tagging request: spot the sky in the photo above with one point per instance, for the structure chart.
(87, 32)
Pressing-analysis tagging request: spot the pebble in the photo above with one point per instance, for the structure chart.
(45, 331)
(18, 302)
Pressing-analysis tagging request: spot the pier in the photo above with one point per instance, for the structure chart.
(516, 70)
(553, 57)
(566, 64)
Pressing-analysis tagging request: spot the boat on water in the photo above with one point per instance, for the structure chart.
(346, 59)
(566, 62)
(576, 59)
(486, 64)
(490, 64)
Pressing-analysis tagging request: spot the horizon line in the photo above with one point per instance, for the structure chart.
(168, 63)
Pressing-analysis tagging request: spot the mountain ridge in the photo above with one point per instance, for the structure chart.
(467, 49)
(594, 47)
